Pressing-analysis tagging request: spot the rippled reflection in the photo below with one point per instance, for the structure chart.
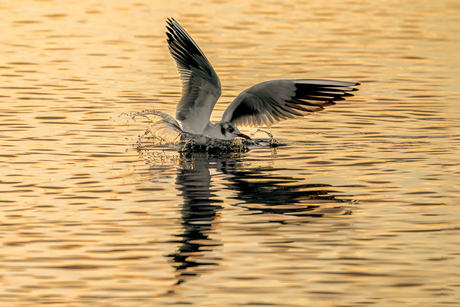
(263, 192)
(198, 213)
(260, 191)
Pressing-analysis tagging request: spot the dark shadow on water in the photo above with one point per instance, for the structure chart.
(198, 213)
(258, 190)
(278, 194)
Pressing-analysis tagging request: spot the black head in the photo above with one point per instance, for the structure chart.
(230, 131)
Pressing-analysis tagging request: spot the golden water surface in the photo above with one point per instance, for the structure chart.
(359, 208)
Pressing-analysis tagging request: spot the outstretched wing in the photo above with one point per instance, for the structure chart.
(269, 102)
(200, 83)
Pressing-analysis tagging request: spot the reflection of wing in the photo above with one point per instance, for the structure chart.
(198, 212)
(200, 83)
(264, 192)
(269, 102)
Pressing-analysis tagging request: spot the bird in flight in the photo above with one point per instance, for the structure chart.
(265, 103)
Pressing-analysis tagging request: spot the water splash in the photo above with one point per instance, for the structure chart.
(164, 131)
(272, 142)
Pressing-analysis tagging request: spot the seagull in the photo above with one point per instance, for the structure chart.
(263, 104)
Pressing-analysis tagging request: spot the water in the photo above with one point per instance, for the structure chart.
(356, 208)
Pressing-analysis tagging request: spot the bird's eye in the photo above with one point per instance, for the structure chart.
(230, 129)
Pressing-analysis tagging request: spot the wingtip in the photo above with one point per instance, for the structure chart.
(170, 24)
(172, 29)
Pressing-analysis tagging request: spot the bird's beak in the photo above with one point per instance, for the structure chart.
(244, 136)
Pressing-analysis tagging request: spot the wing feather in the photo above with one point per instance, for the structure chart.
(272, 101)
(200, 83)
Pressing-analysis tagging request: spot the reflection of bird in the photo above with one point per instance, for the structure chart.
(265, 103)
(284, 199)
(263, 191)
(198, 213)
